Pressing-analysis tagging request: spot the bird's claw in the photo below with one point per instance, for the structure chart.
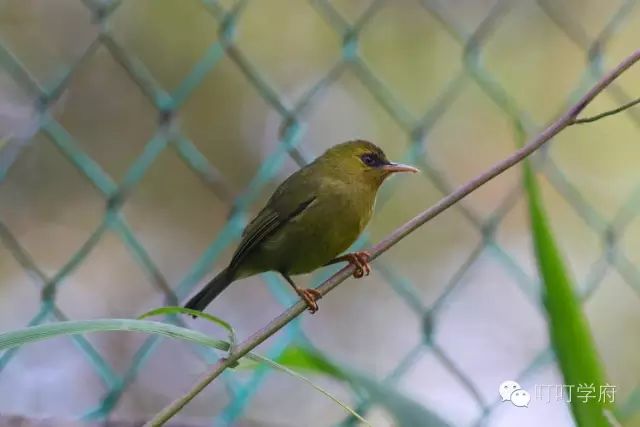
(310, 296)
(361, 262)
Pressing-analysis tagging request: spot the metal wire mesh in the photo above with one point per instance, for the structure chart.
(473, 70)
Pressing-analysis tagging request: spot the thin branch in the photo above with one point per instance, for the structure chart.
(567, 119)
(607, 113)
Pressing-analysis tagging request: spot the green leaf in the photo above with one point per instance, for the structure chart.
(73, 327)
(405, 411)
(313, 361)
(172, 310)
(51, 330)
(568, 327)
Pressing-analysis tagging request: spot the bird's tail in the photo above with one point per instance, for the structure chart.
(202, 299)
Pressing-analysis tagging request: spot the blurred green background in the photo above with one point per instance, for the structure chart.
(255, 89)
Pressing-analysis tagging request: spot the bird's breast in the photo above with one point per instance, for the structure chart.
(327, 228)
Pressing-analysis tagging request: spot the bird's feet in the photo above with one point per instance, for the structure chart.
(361, 262)
(310, 296)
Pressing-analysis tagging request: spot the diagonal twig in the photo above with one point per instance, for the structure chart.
(607, 113)
(570, 117)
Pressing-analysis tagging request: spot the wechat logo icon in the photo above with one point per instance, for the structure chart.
(511, 391)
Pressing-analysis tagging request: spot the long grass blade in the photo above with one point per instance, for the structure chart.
(568, 327)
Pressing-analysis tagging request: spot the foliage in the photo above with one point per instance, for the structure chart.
(568, 326)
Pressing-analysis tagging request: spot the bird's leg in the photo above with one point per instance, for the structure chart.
(359, 259)
(309, 296)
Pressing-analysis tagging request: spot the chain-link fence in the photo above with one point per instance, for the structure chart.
(139, 136)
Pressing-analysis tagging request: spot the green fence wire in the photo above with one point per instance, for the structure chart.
(169, 136)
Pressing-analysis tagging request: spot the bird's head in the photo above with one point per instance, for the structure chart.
(363, 161)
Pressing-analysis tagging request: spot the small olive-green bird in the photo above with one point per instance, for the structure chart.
(312, 217)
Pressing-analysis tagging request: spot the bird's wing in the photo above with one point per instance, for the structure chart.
(283, 206)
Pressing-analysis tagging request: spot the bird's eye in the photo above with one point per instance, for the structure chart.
(369, 159)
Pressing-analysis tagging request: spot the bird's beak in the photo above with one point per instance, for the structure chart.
(398, 167)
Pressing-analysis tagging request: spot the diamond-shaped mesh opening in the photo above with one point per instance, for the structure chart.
(461, 150)
(107, 271)
(604, 180)
(48, 39)
(478, 313)
(135, 129)
(168, 40)
(161, 191)
(44, 199)
(224, 96)
(421, 51)
(519, 43)
(107, 113)
(302, 50)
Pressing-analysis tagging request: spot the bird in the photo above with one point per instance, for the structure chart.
(310, 219)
